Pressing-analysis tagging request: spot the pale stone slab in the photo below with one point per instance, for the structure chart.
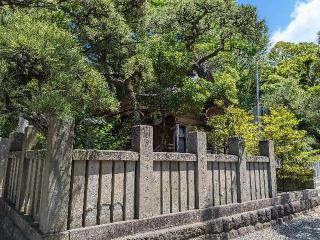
(216, 184)
(10, 161)
(27, 201)
(130, 170)
(28, 185)
(221, 158)
(166, 200)
(104, 155)
(175, 187)
(32, 182)
(174, 157)
(253, 182)
(13, 160)
(258, 183)
(92, 189)
(210, 184)
(157, 188)
(35, 188)
(234, 182)
(106, 191)
(266, 183)
(15, 177)
(262, 184)
(228, 183)
(222, 180)
(30, 136)
(118, 191)
(4, 148)
(191, 185)
(38, 190)
(183, 186)
(77, 194)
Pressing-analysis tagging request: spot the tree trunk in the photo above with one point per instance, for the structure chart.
(133, 103)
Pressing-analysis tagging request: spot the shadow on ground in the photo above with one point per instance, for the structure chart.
(305, 229)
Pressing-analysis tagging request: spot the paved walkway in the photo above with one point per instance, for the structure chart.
(306, 227)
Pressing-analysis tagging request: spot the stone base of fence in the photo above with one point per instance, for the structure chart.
(220, 222)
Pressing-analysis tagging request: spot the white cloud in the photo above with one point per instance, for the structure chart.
(304, 25)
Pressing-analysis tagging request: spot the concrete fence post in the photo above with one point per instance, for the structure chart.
(267, 149)
(4, 150)
(316, 176)
(142, 142)
(28, 141)
(197, 144)
(236, 146)
(55, 189)
(14, 144)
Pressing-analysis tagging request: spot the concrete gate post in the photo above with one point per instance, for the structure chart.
(197, 144)
(55, 187)
(236, 146)
(267, 149)
(142, 142)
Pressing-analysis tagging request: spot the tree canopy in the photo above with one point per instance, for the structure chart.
(150, 53)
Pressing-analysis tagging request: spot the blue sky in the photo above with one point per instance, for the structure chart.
(289, 20)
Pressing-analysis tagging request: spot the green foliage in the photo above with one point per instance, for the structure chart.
(99, 134)
(159, 56)
(8, 124)
(43, 71)
(292, 146)
(292, 82)
(235, 122)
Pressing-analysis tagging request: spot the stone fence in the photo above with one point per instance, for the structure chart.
(61, 188)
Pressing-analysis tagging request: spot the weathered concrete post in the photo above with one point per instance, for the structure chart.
(236, 146)
(57, 176)
(4, 150)
(267, 149)
(316, 176)
(197, 144)
(142, 142)
(29, 139)
(15, 144)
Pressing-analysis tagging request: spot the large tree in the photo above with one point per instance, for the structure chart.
(44, 73)
(159, 56)
(293, 81)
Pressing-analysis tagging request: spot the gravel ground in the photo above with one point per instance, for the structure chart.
(305, 227)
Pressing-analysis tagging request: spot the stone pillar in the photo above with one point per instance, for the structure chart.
(55, 187)
(236, 146)
(4, 150)
(30, 135)
(14, 144)
(197, 144)
(267, 149)
(22, 125)
(316, 175)
(142, 142)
